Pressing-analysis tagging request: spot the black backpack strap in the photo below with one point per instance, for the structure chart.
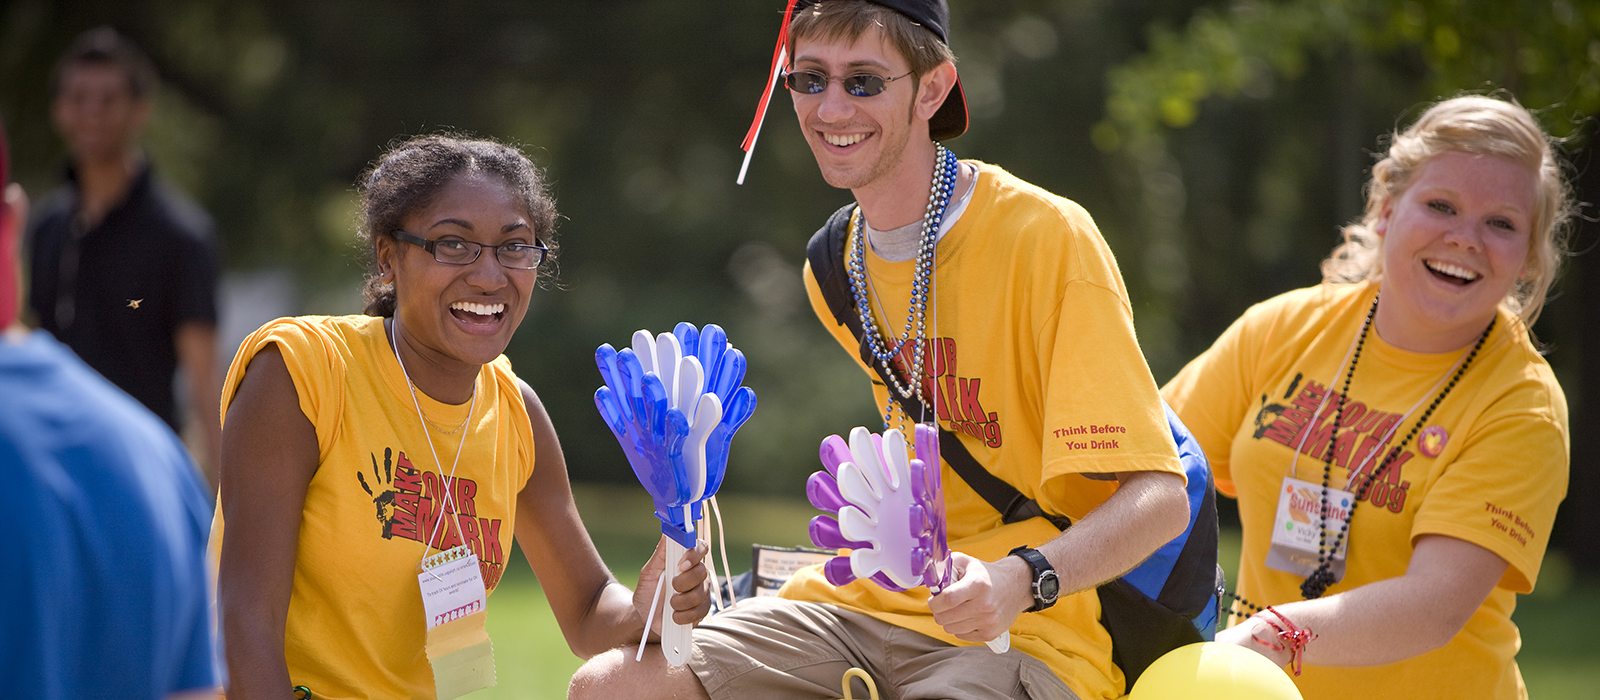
(825, 251)
(1013, 506)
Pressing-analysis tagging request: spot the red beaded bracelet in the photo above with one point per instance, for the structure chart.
(1290, 636)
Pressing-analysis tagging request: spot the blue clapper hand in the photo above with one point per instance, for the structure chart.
(634, 405)
(674, 402)
(723, 368)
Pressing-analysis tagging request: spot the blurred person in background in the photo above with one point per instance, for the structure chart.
(1408, 389)
(106, 595)
(124, 266)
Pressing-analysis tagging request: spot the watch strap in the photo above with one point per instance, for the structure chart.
(1040, 566)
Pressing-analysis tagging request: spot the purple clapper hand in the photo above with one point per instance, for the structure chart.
(868, 488)
(890, 513)
(931, 556)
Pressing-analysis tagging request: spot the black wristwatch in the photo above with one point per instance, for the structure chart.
(1046, 584)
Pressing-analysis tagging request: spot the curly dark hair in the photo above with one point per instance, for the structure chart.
(411, 173)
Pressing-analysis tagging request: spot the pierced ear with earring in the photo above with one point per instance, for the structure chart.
(385, 267)
(381, 251)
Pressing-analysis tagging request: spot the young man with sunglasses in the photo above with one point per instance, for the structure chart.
(1050, 394)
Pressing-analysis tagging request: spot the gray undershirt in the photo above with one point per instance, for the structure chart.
(900, 244)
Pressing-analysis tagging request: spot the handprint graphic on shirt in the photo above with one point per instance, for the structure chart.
(418, 505)
(383, 500)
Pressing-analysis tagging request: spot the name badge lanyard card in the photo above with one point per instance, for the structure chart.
(1291, 549)
(453, 593)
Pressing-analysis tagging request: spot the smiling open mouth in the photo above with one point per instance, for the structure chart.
(843, 140)
(1453, 274)
(477, 313)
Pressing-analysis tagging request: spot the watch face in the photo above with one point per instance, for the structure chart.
(1049, 586)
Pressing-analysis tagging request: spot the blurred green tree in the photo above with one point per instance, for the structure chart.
(1218, 144)
(270, 111)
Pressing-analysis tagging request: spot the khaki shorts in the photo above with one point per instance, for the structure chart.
(768, 648)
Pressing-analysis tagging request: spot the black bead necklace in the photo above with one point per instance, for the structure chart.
(1316, 584)
(1322, 575)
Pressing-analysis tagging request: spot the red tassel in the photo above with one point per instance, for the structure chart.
(772, 82)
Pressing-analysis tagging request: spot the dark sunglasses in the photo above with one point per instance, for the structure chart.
(808, 82)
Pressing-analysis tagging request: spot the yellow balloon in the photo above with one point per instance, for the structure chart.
(1214, 671)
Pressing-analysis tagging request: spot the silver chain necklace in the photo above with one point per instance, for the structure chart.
(915, 331)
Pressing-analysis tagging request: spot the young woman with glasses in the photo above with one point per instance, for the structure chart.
(356, 449)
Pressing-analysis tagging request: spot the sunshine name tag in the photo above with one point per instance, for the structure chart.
(458, 646)
(1298, 530)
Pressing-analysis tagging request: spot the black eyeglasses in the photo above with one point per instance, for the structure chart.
(808, 82)
(453, 251)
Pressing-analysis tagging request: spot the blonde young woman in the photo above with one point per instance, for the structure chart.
(1404, 408)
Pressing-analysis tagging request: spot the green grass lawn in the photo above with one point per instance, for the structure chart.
(1560, 656)
(531, 657)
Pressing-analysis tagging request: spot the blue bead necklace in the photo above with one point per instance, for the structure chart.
(915, 333)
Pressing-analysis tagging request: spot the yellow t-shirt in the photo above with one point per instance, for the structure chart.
(355, 626)
(1489, 468)
(1036, 366)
